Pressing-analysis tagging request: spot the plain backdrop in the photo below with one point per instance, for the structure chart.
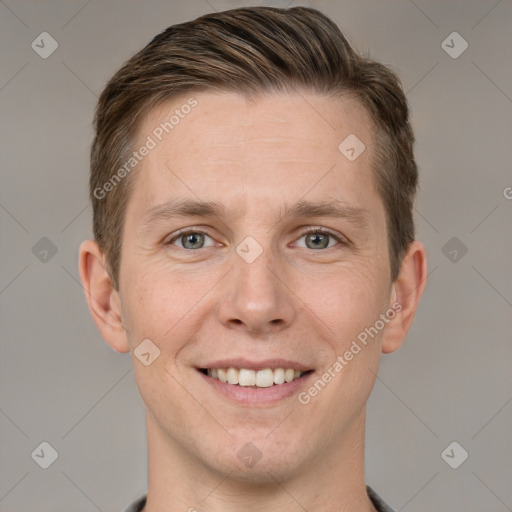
(451, 381)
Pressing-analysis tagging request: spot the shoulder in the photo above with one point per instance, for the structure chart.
(377, 501)
(137, 505)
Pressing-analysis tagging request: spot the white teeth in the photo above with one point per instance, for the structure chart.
(265, 378)
(247, 378)
(232, 375)
(261, 378)
(278, 376)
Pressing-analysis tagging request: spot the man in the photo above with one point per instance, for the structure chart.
(252, 181)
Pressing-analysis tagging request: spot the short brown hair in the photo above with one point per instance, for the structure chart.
(250, 51)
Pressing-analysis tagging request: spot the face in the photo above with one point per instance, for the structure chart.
(281, 267)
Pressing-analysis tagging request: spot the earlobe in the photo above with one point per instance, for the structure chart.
(102, 298)
(406, 294)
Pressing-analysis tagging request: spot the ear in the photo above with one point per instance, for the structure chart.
(406, 293)
(103, 300)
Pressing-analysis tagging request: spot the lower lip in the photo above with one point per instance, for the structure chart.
(257, 396)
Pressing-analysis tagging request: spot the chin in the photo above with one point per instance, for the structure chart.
(262, 461)
(263, 472)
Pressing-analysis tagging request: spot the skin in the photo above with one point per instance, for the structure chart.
(295, 301)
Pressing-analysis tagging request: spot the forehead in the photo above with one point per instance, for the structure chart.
(231, 147)
(231, 119)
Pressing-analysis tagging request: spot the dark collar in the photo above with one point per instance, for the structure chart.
(377, 501)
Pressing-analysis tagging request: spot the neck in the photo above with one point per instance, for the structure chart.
(334, 480)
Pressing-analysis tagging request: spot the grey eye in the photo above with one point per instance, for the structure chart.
(318, 239)
(191, 240)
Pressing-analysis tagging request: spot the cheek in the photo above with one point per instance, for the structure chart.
(350, 304)
(353, 304)
(158, 312)
(347, 300)
(166, 306)
(147, 309)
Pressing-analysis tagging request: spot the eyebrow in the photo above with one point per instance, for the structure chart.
(335, 208)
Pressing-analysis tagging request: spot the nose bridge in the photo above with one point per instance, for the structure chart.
(257, 298)
(255, 275)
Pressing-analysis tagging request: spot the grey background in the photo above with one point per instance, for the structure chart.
(451, 381)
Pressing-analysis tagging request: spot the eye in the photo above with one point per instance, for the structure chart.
(191, 239)
(316, 238)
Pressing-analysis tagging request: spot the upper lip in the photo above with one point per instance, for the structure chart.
(256, 365)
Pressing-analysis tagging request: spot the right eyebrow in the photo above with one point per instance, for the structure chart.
(181, 208)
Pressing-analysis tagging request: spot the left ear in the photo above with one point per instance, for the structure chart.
(406, 293)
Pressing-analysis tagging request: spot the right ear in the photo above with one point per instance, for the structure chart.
(103, 300)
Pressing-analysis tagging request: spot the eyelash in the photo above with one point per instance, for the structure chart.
(314, 230)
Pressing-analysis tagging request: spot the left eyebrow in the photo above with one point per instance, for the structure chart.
(302, 209)
(335, 209)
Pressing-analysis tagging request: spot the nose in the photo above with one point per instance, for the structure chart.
(256, 297)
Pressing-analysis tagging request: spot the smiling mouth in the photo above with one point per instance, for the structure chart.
(264, 378)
